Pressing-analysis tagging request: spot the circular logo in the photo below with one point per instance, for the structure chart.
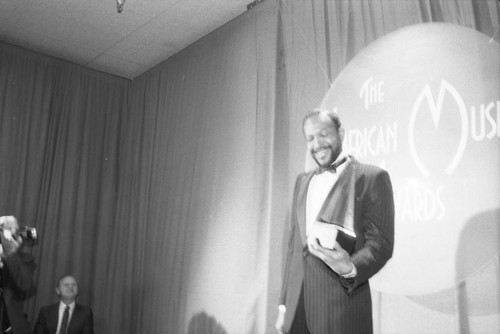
(423, 102)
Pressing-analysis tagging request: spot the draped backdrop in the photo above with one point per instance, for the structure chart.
(167, 196)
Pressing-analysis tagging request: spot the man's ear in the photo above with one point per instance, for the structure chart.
(58, 292)
(341, 134)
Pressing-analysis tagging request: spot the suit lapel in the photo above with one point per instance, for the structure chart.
(337, 207)
(53, 317)
(74, 319)
(301, 204)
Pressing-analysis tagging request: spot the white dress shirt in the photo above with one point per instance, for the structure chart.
(319, 188)
(62, 307)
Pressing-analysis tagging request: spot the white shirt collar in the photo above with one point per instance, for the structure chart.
(62, 306)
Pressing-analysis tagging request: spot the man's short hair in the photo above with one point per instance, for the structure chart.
(58, 282)
(318, 112)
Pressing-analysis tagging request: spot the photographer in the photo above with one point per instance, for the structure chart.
(16, 278)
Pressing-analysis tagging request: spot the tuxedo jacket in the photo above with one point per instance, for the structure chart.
(332, 303)
(81, 321)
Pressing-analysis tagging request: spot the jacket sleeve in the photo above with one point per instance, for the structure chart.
(292, 225)
(377, 214)
(89, 323)
(20, 268)
(40, 324)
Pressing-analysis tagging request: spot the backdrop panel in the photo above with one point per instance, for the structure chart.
(420, 100)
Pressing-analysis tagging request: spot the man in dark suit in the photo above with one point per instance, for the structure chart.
(65, 317)
(16, 278)
(326, 291)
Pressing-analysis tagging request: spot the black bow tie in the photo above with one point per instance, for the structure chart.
(332, 168)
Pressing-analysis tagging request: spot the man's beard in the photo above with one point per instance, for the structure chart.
(330, 155)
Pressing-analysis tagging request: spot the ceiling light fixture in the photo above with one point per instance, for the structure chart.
(119, 5)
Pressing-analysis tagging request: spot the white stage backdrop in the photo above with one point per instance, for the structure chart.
(423, 102)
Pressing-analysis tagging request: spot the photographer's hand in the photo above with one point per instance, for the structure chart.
(9, 243)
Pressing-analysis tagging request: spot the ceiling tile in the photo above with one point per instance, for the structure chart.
(236, 7)
(64, 30)
(36, 42)
(163, 35)
(117, 66)
(144, 54)
(8, 5)
(148, 8)
(82, 55)
(209, 17)
(103, 15)
(92, 32)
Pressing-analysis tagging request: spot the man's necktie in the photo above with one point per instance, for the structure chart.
(332, 168)
(64, 323)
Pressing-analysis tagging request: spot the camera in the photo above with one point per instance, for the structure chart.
(9, 224)
(28, 233)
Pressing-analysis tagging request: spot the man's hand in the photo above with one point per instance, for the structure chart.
(337, 259)
(280, 322)
(9, 243)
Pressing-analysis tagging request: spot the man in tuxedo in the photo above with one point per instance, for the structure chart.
(67, 316)
(16, 278)
(326, 291)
